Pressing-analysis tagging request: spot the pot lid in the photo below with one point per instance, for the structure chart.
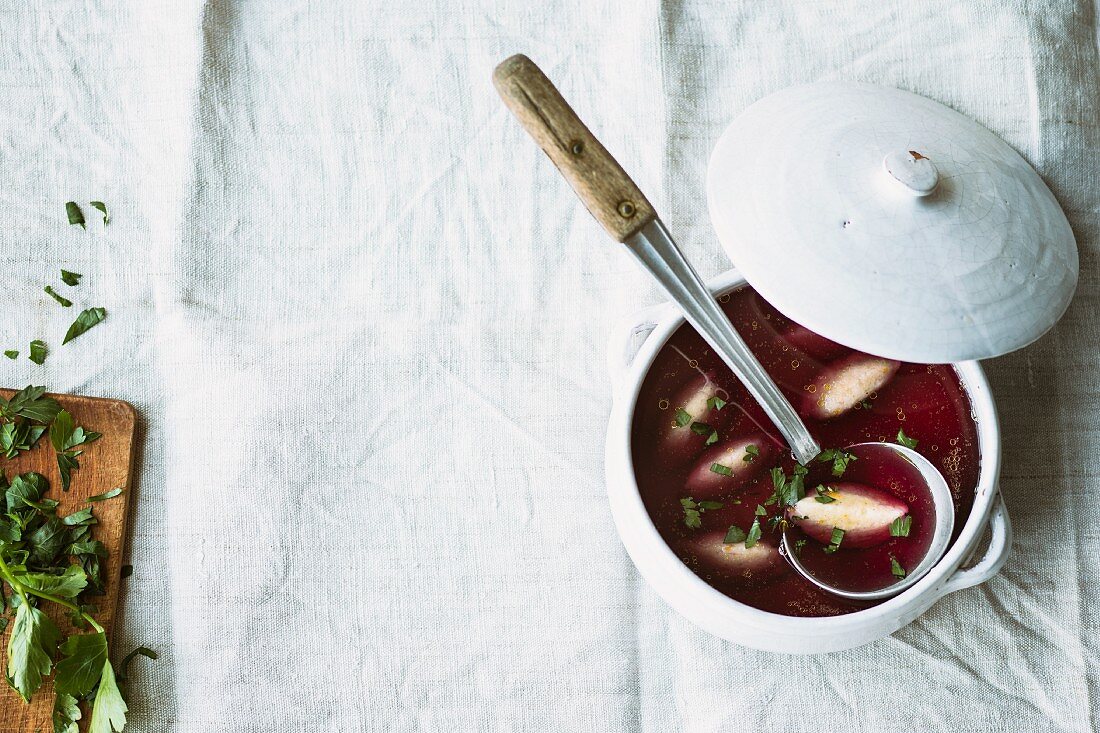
(890, 223)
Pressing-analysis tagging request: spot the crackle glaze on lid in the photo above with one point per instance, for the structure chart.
(891, 223)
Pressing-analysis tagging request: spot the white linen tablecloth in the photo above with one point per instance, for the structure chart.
(364, 322)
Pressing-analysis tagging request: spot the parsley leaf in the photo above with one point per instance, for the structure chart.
(700, 428)
(106, 494)
(720, 469)
(47, 541)
(19, 435)
(787, 491)
(683, 417)
(694, 510)
(691, 513)
(11, 354)
(754, 535)
(101, 208)
(905, 440)
(823, 495)
(65, 302)
(734, 535)
(70, 278)
(38, 351)
(798, 545)
(761, 511)
(835, 540)
(30, 403)
(840, 459)
(66, 713)
(900, 526)
(712, 438)
(65, 436)
(87, 319)
(751, 454)
(896, 568)
(81, 667)
(109, 709)
(716, 403)
(75, 215)
(30, 649)
(67, 585)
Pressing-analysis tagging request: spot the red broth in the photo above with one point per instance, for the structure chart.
(672, 463)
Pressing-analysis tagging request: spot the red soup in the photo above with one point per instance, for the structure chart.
(718, 480)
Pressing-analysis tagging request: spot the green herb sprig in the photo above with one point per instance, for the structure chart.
(839, 458)
(900, 527)
(905, 440)
(693, 510)
(834, 540)
(51, 559)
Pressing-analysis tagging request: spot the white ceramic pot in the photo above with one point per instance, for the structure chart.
(629, 362)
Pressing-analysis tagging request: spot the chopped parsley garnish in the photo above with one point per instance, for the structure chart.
(896, 568)
(798, 545)
(754, 535)
(761, 511)
(905, 440)
(734, 535)
(693, 510)
(720, 469)
(823, 495)
(65, 436)
(716, 403)
(70, 278)
(835, 540)
(900, 526)
(92, 317)
(751, 454)
(701, 428)
(118, 490)
(101, 208)
(712, 438)
(75, 215)
(38, 351)
(839, 458)
(11, 354)
(787, 490)
(65, 302)
(866, 404)
(683, 417)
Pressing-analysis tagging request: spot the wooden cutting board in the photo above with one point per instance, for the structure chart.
(105, 464)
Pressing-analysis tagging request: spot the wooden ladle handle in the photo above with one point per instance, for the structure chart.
(604, 187)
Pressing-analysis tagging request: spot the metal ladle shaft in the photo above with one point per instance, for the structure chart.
(619, 205)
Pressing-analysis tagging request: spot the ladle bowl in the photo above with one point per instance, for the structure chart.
(944, 507)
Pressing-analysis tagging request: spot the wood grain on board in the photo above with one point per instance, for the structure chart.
(105, 464)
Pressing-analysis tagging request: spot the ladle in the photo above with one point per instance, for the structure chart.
(619, 205)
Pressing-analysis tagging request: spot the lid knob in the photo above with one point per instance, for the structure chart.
(913, 172)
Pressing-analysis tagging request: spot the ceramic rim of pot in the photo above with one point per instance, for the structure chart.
(736, 621)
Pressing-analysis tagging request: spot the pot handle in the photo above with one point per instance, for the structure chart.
(1000, 547)
(624, 345)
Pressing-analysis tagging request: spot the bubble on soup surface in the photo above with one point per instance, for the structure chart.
(845, 383)
(863, 512)
(745, 458)
(734, 560)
